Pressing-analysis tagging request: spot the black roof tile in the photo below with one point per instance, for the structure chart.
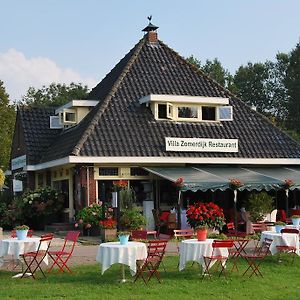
(120, 126)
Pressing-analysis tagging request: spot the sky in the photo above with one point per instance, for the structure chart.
(67, 41)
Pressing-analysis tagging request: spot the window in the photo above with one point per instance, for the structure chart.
(165, 111)
(208, 113)
(138, 172)
(108, 171)
(70, 117)
(226, 113)
(188, 112)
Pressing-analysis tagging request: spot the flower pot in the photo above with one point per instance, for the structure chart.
(123, 239)
(296, 221)
(21, 234)
(201, 234)
(108, 234)
(278, 228)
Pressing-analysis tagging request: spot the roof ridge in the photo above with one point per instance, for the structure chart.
(104, 104)
(197, 70)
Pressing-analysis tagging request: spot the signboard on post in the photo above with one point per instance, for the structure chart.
(18, 162)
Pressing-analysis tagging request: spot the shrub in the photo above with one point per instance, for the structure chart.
(258, 205)
(132, 219)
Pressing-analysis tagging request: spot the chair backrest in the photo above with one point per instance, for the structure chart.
(139, 234)
(183, 233)
(156, 249)
(45, 238)
(259, 227)
(222, 244)
(290, 230)
(264, 249)
(230, 226)
(70, 240)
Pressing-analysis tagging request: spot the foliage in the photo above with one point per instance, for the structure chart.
(55, 94)
(132, 219)
(118, 185)
(205, 214)
(89, 215)
(7, 121)
(108, 223)
(280, 223)
(217, 236)
(42, 202)
(22, 227)
(258, 205)
(295, 217)
(127, 198)
(120, 233)
(2, 178)
(292, 83)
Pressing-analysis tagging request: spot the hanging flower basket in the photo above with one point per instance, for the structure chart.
(288, 183)
(179, 183)
(235, 183)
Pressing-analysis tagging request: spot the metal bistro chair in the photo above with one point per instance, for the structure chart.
(285, 248)
(149, 267)
(61, 257)
(34, 259)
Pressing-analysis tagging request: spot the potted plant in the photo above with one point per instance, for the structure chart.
(279, 225)
(123, 237)
(201, 232)
(132, 219)
(21, 231)
(258, 205)
(108, 229)
(295, 220)
(207, 215)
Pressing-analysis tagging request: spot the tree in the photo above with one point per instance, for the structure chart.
(7, 121)
(55, 94)
(292, 83)
(251, 84)
(215, 70)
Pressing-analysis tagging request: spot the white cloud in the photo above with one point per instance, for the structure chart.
(19, 73)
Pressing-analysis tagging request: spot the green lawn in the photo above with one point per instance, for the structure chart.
(281, 281)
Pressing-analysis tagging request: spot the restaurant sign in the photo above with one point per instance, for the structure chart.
(18, 162)
(201, 145)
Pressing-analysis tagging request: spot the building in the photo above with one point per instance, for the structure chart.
(152, 119)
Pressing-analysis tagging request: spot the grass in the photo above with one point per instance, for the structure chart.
(281, 281)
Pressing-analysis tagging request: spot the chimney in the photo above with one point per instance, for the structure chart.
(152, 37)
(150, 32)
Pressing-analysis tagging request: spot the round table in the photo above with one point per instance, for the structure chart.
(194, 250)
(286, 239)
(113, 252)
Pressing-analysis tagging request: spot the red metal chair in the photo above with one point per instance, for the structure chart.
(285, 248)
(61, 257)
(232, 232)
(217, 245)
(156, 252)
(259, 227)
(255, 259)
(139, 235)
(34, 259)
(238, 251)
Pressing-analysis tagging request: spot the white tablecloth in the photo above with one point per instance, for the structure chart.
(14, 247)
(285, 239)
(112, 253)
(194, 250)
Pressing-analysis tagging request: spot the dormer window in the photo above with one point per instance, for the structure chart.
(189, 108)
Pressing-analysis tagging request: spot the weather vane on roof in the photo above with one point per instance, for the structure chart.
(150, 26)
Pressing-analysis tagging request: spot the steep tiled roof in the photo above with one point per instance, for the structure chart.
(37, 133)
(120, 126)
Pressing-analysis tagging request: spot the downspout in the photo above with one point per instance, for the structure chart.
(88, 185)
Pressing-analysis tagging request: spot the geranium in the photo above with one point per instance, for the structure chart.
(235, 183)
(205, 214)
(120, 184)
(108, 224)
(288, 183)
(179, 182)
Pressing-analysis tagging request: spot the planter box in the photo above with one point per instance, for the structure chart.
(108, 234)
(93, 231)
